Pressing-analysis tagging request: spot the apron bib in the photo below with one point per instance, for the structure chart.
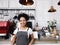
(22, 38)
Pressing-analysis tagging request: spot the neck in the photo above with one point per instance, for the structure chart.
(23, 27)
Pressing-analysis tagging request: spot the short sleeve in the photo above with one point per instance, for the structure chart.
(15, 32)
(30, 31)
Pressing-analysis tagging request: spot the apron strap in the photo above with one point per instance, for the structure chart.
(27, 29)
(18, 29)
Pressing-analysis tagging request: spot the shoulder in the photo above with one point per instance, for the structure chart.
(30, 31)
(15, 31)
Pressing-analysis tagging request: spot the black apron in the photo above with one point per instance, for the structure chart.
(22, 38)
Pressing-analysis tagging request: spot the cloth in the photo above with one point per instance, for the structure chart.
(29, 32)
(22, 38)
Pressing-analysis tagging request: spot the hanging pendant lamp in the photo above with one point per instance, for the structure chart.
(52, 9)
(59, 3)
(26, 2)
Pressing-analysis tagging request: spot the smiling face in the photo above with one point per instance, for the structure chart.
(23, 21)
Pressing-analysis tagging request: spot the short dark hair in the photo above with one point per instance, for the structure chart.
(23, 15)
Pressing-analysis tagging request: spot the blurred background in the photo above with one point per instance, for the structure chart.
(44, 19)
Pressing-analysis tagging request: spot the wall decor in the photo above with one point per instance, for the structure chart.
(5, 12)
(1, 16)
(32, 14)
(14, 12)
(1, 11)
